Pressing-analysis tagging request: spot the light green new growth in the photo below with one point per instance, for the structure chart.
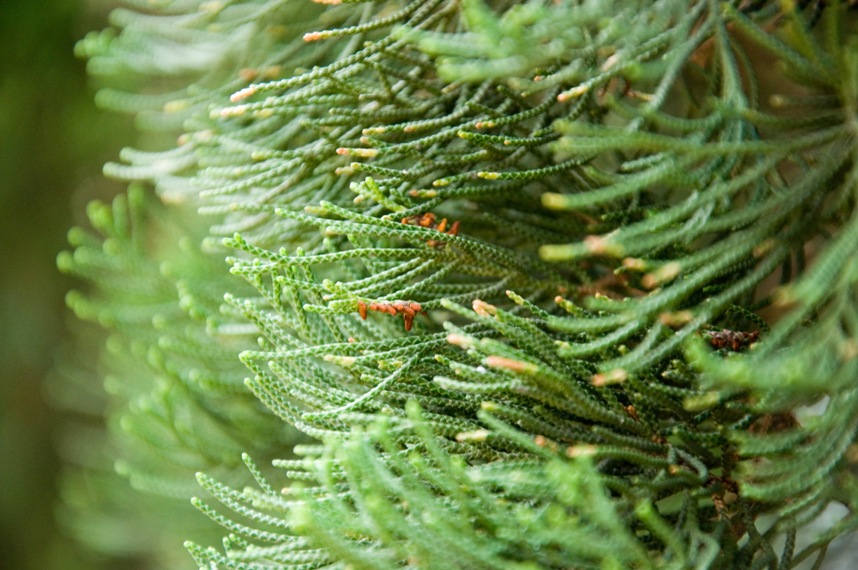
(543, 284)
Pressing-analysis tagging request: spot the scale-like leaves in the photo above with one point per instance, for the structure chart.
(511, 264)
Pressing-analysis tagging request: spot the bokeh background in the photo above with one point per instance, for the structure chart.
(53, 143)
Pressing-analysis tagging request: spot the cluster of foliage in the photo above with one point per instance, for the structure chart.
(563, 284)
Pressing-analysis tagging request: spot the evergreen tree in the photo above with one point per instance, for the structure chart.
(469, 284)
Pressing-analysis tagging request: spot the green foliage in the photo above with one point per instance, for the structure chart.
(509, 264)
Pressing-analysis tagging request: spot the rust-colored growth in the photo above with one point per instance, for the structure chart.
(543, 441)
(426, 220)
(453, 231)
(408, 310)
(429, 220)
(632, 412)
(724, 497)
(733, 340)
(773, 423)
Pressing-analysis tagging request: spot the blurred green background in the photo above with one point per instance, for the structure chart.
(53, 144)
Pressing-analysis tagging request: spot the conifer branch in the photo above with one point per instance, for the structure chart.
(549, 282)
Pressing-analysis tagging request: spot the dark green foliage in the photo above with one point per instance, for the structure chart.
(567, 364)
